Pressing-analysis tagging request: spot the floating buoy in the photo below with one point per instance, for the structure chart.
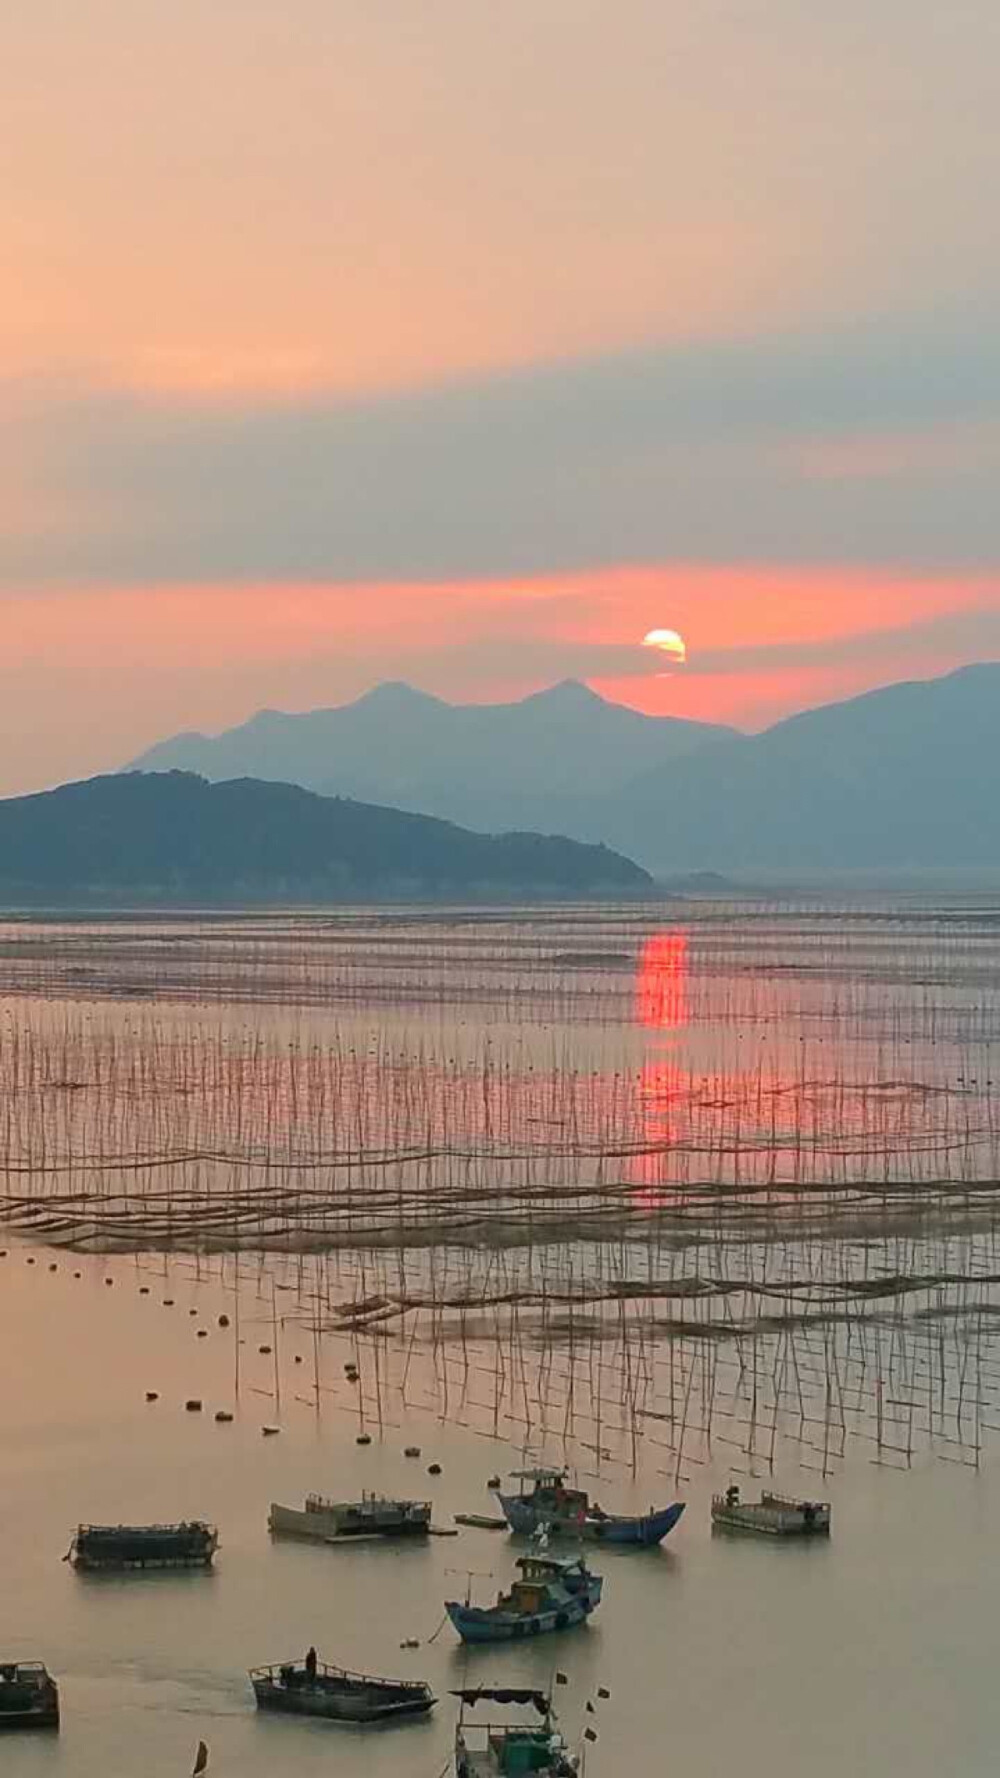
(363, 1438)
(298, 1358)
(109, 1282)
(412, 1451)
(203, 1333)
(433, 1469)
(193, 1406)
(270, 1431)
(78, 1274)
(53, 1267)
(30, 1260)
(264, 1350)
(223, 1418)
(494, 1481)
(192, 1311)
(168, 1302)
(223, 1320)
(409, 1642)
(151, 1395)
(143, 1288)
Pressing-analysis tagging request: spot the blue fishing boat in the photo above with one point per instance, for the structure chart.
(550, 1595)
(545, 1503)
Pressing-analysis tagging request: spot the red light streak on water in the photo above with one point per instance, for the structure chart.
(661, 984)
(661, 1006)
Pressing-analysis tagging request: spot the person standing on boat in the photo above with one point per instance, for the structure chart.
(311, 1666)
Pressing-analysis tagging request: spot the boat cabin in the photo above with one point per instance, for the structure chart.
(547, 1490)
(498, 1749)
(539, 1574)
(370, 1509)
(506, 1751)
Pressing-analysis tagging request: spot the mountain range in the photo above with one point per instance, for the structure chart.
(538, 764)
(903, 777)
(171, 837)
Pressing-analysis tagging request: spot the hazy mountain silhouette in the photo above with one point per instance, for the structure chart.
(538, 763)
(173, 837)
(904, 777)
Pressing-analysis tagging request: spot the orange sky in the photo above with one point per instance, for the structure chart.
(465, 344)
(761, 643)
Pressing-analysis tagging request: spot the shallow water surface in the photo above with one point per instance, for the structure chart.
(671, 1196)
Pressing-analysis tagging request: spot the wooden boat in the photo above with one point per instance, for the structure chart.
(550, 1595)
(191, 1544)
(774, 1515)
(331, 1521)
(29, 1696)
(545, 1503)
(303, 1688)
(497, 1748)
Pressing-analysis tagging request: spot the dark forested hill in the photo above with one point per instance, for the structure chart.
(173, 837)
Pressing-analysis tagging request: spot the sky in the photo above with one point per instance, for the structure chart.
(345, 340)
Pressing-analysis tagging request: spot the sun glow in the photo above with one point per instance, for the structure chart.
(667, 642)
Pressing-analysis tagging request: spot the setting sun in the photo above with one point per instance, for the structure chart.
(667, 642)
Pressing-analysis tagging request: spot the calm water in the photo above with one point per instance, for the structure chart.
(875, 1654)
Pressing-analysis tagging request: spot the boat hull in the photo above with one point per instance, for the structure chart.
(645, 1531)
(137, 1564)
(29, 1704)
(321, 1527)
(475, 1625)
(767, 1521)
(338, 1709)
(122, 1548)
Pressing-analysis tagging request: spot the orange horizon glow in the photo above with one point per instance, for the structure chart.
(764, 643)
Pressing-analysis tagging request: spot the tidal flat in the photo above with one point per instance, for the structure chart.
(670, 1195)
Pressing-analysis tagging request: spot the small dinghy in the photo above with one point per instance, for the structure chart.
(120, 1547)
(29, 1696)
(773, 1515)
(545, 1503)
(311, 1688)
(550, 1595)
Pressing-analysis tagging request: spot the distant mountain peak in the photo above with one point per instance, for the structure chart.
(567, 691)
(395, 694)
(544, 761)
